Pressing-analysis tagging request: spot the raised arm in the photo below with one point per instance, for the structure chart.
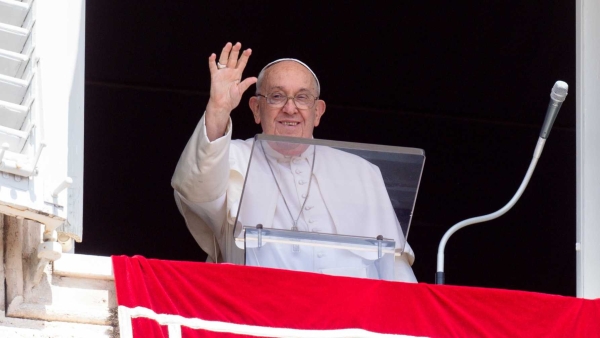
(226, 87)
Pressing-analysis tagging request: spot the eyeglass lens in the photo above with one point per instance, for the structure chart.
(302, 101)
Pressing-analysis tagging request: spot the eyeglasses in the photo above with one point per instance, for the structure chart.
(279, 99)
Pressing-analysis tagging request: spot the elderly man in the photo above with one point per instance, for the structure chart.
(210, 173)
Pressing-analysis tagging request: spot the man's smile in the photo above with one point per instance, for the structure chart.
(289, 123)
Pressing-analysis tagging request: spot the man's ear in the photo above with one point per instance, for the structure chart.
(254, 107)
(319, 111)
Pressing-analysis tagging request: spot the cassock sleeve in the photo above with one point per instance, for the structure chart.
(200, 182)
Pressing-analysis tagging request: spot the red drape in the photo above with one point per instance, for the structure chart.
(287, 299)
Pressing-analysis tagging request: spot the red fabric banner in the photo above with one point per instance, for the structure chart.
(255, 298)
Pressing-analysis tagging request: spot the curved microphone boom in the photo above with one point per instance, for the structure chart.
(557, 97)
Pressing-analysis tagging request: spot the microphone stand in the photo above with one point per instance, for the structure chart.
(558, 95)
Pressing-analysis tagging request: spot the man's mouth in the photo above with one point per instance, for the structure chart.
(286, 123)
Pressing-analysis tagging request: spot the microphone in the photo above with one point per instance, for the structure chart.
(557, 97)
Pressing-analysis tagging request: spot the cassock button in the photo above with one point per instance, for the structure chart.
(320, 254)
(303, 195)
(311, 220)
(298, 171)
(308, 207)
(301, 182)
(297, 160)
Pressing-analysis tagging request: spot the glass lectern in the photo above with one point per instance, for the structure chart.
(328, 207)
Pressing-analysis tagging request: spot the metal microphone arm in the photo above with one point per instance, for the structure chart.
(439, 275)
(558, 95)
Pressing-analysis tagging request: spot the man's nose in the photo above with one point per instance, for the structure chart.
(290, 106)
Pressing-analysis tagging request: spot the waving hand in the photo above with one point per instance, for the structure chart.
(226, 87)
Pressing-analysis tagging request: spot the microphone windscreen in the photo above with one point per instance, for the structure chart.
(559, 91)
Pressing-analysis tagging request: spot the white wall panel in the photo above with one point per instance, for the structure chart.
(588, 148)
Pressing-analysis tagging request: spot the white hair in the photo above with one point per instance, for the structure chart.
(261, 75)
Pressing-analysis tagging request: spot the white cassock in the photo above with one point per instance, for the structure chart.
(208, 183)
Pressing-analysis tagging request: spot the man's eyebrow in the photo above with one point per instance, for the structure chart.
(280, 87)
